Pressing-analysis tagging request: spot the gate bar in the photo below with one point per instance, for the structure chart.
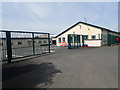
(9, 48)
(33, 43)
(49, 41)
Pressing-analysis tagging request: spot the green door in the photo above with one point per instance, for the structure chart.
(82, 39)
(78, 41)
(69, 41)
(73, 41)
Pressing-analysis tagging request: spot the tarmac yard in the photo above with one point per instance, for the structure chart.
(74, 68)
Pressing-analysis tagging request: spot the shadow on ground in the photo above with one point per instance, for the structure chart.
(29, 76)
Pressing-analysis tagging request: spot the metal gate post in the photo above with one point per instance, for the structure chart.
(69, 41)
(49, 42)
(9, 48)
(33, 44)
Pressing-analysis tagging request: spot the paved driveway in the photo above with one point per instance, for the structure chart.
(75, 68)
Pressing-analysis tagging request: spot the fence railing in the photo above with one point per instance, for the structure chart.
(19, 44)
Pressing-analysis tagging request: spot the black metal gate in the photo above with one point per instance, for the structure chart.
(19, 44)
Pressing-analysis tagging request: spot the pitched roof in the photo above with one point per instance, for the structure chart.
(85, 24)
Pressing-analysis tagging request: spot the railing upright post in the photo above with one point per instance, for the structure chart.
(33, 43)
(9, 47)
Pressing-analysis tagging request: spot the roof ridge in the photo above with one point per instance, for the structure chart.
(86, 24)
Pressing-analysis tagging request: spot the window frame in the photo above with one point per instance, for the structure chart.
(19, 43)
(40, 42)
(85, 36)
(59, 40)
(44, 41)
(93, 36)
(63, 39)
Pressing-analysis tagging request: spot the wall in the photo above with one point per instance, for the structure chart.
(93, 43)
(92, 31)
(104, 38)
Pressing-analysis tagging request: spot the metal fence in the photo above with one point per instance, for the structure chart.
(112, 39)
(19, 44)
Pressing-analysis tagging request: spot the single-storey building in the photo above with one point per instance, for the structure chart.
(53, 39)
(94, 36)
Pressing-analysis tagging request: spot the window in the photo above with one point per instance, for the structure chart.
(85, 37)
(40, 41)
(45, 41)
(19, 43)
(93, 37)
(63, 39)
(59, 40)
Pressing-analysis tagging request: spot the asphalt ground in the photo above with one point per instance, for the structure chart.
(74, 68)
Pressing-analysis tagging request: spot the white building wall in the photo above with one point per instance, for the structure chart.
(81, 29)
(93, 43)
(92, 31)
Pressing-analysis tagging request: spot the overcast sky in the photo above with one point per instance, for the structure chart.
(55, 17)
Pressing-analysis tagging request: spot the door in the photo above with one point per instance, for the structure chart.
(83, 39)
(73, 41)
